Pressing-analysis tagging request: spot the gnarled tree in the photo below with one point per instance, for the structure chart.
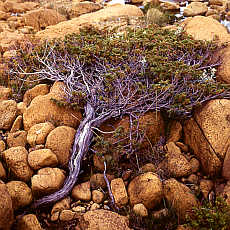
(116, 74)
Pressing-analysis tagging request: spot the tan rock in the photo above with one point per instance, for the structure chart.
(175, 131)
(73, 26)
(47, 181)
(19, 7)
(119, 192)
(140, 210)
(171, 6)
(195, 165)
(216, 2)
(149, 167)
(206, 187)
(67, 215)
(94, 206)
(17, 124)
(85, 7)
(97, 196)
(160, 214)
(182, 146)
(180, 197)
(17, 139)
(146, 189)
(82, 191)
(21, 108)
(223, 73)
(103, 220)
(193, 179)
(3, 15)
(42, 158)
(29, 222)
(205, 28)
(20, 193)
(8, 111)
(195, 8)
(37, 133)
(60, 141)
(97, 180)
(6, 209)
(226, 166)
(8, 39)
(178, 165)
(213, 119)
(4, 92)
(16, 159)
(2, 172)
(42, 109)
(2, 146)
(41, 89)
(9, 54)
(79, 209)
(63, 204)
(41, 18)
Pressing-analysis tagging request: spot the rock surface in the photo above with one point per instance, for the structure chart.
(42, 158)
(60, 141)
(195, 8)
(103, 220)
(20, 193)
(146, 189)
(73, 26)
(46, 181)
(42, 109)
(17, 161)
(82, 191)
(8, 111)
(211, 144)
(29, 222)
(6, 208)
(180, 197)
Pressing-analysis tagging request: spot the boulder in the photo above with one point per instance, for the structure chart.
(29, 222)
(43, 109)
(205, 187)
(68, 215)
(20, 193)
(80, 8)
(17, 125)
(180, 197)
(60, 141)
(37, 133)
(2, 171)
(47, 181)
(41, 89)
(63, 204)
(16, 159)
(82, 191)
(42, 158)
(175, 131)
(207, 133)
(146, 189)
(19, 7)
(195, 8)
(6, 208)
(140, 210)
(97, 196)
(4, 92)
(73, 26)
(103, 219)
(8, 111)
(41, 18)
(8, 39)
(178, 165)
(17, 139)
(119, 192)
(206, 28)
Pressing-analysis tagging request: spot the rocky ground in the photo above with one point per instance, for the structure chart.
(36, 135)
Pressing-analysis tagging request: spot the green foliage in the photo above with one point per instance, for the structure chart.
(172, 61)
(211, 216)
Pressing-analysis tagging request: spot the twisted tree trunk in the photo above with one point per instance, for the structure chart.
(81, 144)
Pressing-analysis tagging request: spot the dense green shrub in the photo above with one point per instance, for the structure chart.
(173, 71)
(211, 216)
